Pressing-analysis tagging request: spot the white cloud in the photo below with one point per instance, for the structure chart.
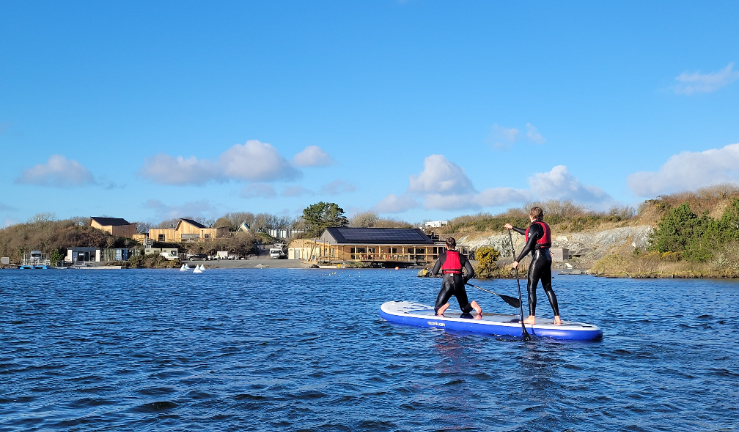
(502, 138)
(295, 191)
(253, 161)
(450, 202)
(560, 184)
(688, 171)
(533, 134)
(312, 156)
(258, 190)
(444, 186)
(166, 169)
(256, 161)
(696, 82)
(440, 176)
(58, 171)
(200, 208)
(494, 197)
(337, 187)
(396, 204)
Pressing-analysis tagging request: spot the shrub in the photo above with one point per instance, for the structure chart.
(486, 257)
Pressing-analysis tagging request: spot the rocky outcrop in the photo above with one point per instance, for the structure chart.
(584, 247)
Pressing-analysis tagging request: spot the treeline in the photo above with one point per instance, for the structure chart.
(564, 215)
(42, 232)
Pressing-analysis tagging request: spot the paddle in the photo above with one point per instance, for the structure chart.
(526, 336)
(508, 299)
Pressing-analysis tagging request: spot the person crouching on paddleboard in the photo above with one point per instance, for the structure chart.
(451, 263)
(538, 241)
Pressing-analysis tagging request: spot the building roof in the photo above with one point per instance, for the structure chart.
(109, 221)
(399, 236)
(193, 223)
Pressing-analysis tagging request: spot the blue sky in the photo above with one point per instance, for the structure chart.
(415, 109)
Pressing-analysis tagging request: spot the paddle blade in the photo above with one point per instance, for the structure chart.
(516, 303)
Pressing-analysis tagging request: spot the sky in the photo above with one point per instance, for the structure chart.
(416, 109)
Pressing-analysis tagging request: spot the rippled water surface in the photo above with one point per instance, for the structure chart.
(239, 350)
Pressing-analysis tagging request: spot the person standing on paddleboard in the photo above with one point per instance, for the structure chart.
(451, 263)
(538, 241)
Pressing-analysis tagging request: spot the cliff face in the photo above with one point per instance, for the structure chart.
(585, 247)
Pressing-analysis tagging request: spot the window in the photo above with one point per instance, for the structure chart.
(207, 236)
(160, 237)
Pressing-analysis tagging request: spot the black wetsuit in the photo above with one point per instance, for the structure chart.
(453, 284)
(540, 269)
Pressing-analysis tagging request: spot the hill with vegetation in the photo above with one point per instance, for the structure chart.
(688, 234)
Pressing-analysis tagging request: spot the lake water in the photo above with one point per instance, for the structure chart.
(302, 350)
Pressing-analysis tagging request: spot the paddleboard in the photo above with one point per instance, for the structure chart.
(416, 314)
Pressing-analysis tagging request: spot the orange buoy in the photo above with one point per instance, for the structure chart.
(397, 268)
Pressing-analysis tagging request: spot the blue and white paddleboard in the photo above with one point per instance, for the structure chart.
(416, 314)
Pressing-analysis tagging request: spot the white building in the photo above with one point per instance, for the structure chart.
(435, 224)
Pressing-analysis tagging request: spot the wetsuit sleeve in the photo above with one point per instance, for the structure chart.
(520, 230)
(470, 270)
(438, 264)
(535, 233)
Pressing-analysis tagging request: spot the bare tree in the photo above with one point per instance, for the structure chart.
(367, 219)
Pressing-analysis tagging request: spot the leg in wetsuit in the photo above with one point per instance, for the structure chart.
(541, 270)
(453, 285)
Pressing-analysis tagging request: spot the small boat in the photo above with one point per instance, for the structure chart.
(197, 270)
(183, 268)
(416, 314)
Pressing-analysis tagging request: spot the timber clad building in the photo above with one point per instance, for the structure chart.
(187, 230)
(377, 246)
(115, 226)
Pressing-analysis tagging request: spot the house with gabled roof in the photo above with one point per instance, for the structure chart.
(115, 226)
(187, 230)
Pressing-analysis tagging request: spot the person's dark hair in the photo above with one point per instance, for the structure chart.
(537, 213)
(451, 243)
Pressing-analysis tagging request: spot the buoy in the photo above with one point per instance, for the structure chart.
(397, 268)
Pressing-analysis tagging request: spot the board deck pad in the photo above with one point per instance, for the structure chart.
(417, 314)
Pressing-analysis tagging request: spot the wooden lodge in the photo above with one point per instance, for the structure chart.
(115, 226)
(380, 247)
(187, 230)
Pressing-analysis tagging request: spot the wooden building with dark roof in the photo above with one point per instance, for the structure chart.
(115, 226)
(381, 247)
(187, 230)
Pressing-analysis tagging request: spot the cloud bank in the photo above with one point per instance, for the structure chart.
(688, 171)
(253, 161)
(696, 82)
(443, 185)
(59, 172)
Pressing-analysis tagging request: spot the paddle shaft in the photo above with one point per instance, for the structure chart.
(526, 336)
(508, 299)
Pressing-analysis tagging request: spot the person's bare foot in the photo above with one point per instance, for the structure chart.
(477, 309)
(530, 320)
(442, 309)
(557, 320)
